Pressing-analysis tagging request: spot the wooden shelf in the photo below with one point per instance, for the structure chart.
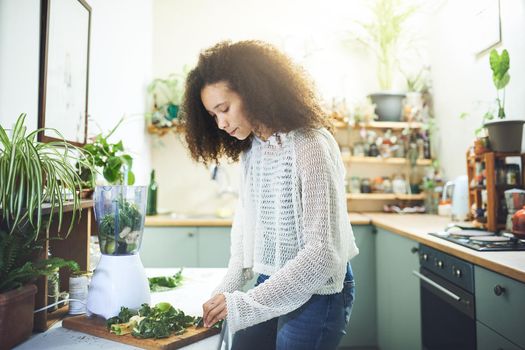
(381, 125)
(57, 315)
(494, 191)
(68, 206)
(495, 154)
(74, 247)
(175, 128)
(385, 196)
(379, 160)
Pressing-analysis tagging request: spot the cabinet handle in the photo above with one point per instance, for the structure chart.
(191, 234)
(499, 290)
(414, 250)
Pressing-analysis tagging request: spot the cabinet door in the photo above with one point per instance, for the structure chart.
(169, 247)
(362, 329)
(398, 297)
(213, 246)
(487, 339)
(500, 304)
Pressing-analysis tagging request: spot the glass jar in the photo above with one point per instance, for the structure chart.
(365, 186)
(355, 184)
(359, 149)
(512, 174)
(399, 184)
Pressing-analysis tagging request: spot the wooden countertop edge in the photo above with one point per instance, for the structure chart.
(164, 220)
(369, 219)
(458, 251)
(156, 222)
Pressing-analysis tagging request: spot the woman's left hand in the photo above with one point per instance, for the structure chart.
(214, 310)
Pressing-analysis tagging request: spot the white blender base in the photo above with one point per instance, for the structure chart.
(118, 280)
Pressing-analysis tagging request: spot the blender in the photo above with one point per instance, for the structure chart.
(119, 278)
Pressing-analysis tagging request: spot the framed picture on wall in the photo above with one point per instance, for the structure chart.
(486, 25)
(64, 70)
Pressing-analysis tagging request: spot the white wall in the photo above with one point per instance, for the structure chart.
(19, 51)
(120, 68)
(311, 32)
(463, 81)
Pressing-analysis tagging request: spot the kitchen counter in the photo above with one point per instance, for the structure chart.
(168, 220)
(417, 227)
(412, 226)
(197, 286)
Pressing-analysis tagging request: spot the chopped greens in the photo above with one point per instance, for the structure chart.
(159, 321)
(128, 221)
(164, 283)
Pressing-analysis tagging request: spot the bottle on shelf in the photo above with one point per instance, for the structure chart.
(151, 207)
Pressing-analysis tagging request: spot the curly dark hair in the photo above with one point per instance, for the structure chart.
(276, 94)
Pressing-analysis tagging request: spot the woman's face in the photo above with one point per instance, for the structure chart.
(227, 108)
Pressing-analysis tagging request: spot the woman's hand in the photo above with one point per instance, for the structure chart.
(214, 310)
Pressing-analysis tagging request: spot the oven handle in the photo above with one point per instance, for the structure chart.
(438, 286)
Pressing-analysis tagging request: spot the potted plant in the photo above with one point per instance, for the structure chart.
(383, 36)
(504, 135)
(32, 174)
(114, 163)
(167, 96)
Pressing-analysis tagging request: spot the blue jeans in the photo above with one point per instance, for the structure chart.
(319, 324)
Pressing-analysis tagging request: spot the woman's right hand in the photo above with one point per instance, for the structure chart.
(214, 310)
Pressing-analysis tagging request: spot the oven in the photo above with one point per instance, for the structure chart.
(447, 301)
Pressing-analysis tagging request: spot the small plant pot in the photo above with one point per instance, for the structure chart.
(16, 315)
(389, 105)
(505, 135)
(481, 145)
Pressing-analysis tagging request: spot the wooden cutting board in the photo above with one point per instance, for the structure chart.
(97, 326)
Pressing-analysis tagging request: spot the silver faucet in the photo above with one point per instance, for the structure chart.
(223, 180)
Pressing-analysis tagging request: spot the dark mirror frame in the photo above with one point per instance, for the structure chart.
(43, 71)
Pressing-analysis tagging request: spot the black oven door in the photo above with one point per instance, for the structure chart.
(447, 314)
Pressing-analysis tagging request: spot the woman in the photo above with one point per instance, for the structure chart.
(247, 100)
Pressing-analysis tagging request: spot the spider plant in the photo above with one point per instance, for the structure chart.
(33, 174)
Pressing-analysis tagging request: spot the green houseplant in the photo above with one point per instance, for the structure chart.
(504, 135)
(33, 175)
(383, 35)
(166, 94)
(114, 163)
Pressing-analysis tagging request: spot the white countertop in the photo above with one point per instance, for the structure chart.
(197, 286)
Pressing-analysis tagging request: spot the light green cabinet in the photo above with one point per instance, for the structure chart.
(185, 246)
(361, 330)
(214, 246)
(500, 304)
(169, 247)
(398, 297)
(487, 339)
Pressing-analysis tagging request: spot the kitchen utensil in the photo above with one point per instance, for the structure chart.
(459, 188)
(490, 239)
(97, 326)
(515, 199)
(119, 278)
(470, 233)
(518, 223)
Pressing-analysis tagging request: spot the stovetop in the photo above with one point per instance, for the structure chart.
(512, 245)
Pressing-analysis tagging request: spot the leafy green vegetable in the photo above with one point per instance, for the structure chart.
(156, 322)
(129, 224)
(124, 315)
(164, 283)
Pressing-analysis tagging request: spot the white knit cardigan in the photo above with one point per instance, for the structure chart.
(291, 223)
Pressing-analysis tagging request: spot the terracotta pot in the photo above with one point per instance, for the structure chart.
(480, 145)
(16, 315)
(87, 193)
